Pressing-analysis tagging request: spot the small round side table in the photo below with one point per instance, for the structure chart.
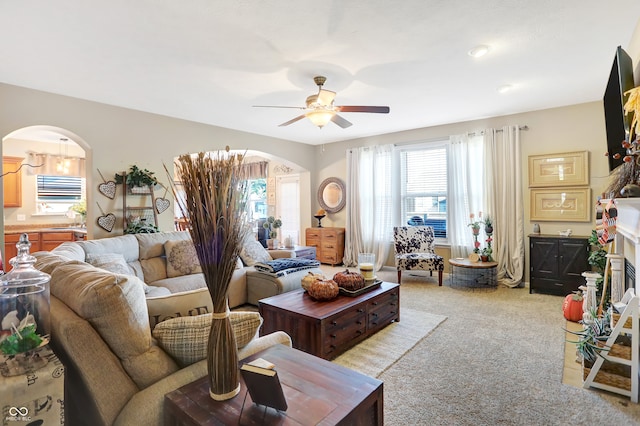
(473, 274)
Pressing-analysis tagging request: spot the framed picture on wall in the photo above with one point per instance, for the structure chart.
(563, 169)
(561, 204)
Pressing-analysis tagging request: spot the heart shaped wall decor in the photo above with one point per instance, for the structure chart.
(107, 221)
(162, 204)
(108, 189)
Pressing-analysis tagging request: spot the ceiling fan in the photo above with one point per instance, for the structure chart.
(320, 108)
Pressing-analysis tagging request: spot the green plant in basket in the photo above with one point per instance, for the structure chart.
(592, 340)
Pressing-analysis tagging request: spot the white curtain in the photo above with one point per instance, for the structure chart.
(466, 190)
(369, 223)
(505, 202)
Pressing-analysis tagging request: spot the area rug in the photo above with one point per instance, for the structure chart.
(376, 354)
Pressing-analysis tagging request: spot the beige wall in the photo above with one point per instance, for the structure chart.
(118, 137)
(572, 128)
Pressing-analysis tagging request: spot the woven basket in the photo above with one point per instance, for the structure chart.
(616, 317)
(610, 373)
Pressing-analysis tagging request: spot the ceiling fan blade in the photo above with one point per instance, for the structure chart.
(340, 121)
(362, 108)
(326, 97)
(293, 120)
(276, 106)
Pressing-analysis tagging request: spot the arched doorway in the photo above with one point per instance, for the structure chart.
(27, 143)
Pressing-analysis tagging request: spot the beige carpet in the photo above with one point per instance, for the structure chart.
(376, 354)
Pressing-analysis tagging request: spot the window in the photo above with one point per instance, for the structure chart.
(56, 194)
(257, 201)
(424, 187)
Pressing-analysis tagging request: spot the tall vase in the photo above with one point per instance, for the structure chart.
(222, 359)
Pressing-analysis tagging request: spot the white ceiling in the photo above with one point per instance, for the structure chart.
(209, 61)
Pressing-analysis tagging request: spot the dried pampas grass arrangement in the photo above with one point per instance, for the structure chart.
(215, 196)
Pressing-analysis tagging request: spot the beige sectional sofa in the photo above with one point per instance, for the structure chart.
(148, 257)
(117, 370)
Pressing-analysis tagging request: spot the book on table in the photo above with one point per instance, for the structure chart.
(264, 386)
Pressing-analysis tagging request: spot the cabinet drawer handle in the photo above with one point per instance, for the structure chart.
(359, 322)
(393, 304)
(358, 332)
(360, 310)
(393, 312)
(333, 336)
(374, 303)
(334, 323)
(374, 315)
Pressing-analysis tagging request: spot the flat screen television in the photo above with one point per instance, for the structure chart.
(616, 121)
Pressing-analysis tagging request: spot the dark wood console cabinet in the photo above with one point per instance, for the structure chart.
(556, 263)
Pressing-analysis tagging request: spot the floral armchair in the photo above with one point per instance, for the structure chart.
(414, 250)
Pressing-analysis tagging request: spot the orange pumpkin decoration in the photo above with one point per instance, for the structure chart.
(572, 307)
(323, 289)
(349, 280)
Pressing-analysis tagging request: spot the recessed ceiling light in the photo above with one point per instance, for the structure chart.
(479, 51)
(504, 88)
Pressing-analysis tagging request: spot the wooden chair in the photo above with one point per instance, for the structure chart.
(415, 250)
(181, 223)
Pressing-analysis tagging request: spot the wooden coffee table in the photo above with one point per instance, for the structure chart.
(327, 329)
(318, 392)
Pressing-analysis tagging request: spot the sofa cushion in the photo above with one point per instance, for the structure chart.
(185, 339)
(115, 306)
(46, 262)
(252, 252)
(151, 253)
(182, 258)
(184, 304)
(112, 262)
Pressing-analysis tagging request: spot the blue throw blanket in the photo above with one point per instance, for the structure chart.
(278, 265)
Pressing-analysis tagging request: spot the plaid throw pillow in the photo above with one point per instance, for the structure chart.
(185, 338)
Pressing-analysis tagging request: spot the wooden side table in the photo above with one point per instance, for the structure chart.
(466, 273)
(317, 392)
(36, 397)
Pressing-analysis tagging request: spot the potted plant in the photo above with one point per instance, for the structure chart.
(137, 178)
(271, 224)
(485, 255)
(591, 341)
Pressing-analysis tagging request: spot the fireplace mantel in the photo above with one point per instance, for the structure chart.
(628, 228)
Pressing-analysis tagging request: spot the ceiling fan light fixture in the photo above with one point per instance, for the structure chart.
(479, 50)
(320, 117)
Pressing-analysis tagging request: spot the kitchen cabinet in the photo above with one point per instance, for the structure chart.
(557, 263)
(10, 249)
(51, 240)
(12, 181)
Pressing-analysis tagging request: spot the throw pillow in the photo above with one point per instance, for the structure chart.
(112, 262)
(116, 264)
(181, 258)
(185, 339)
(252, 252)
(183, 304)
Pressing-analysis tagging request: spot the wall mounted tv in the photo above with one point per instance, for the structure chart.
(616, 121)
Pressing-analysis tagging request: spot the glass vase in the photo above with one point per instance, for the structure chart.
(24, 312)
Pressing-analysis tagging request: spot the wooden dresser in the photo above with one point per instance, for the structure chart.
(329, 244)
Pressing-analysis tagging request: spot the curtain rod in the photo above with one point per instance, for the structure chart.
(525, 127)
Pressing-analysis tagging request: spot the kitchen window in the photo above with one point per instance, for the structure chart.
(56, 194)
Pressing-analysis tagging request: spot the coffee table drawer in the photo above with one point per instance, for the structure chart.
(344, 329)
(383, 310)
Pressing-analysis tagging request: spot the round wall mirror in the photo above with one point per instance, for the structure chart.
(331, 195)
